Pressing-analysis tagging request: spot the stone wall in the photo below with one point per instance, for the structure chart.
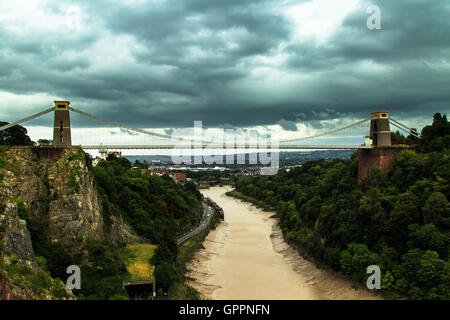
(381, 157)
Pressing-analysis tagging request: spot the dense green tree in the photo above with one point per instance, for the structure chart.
(44, 142)
(405, 213)
(398, 138)
(154, 206)
(355, 260)
(165, 274)
(437, 136)
(428, 237)
(162, 254)
(399, 221)
(437, 211)
(14, 136)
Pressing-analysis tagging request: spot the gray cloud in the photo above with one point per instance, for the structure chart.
(167, 64)
(288, 125)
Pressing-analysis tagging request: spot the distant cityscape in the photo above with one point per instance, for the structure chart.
(205, 175)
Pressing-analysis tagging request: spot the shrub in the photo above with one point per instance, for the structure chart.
(42, 281)
(355, 260)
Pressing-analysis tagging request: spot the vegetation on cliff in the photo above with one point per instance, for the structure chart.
(171, 264)
(66, 212)
(156, 207)
(400, 222)
(27, 282)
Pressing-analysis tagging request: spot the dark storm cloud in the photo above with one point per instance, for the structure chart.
(412, 50)
(168, 63)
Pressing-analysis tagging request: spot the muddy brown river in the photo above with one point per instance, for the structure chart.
(247, 258)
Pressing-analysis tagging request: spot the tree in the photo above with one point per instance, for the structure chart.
(437, 211)
(14, 136)
(398, 138)
(430, 269)
(355, 260)
(387, 280)
(44, 142)
(429, 237)
(398, 221)
(162, 254)
(405, 213)
(437, 136)
(165, 275)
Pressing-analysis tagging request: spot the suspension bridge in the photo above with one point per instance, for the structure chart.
(380, 134)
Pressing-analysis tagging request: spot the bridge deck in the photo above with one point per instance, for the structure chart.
(207, 147)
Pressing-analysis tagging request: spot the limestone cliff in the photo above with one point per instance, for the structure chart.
(58, 191)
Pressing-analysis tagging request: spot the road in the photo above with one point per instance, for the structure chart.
(208, 213)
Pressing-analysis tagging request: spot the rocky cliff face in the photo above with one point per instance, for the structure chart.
(60, 194)
(16, 236)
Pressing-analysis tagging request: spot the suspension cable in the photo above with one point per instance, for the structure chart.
(27, 119)
(400, 124)
(409, 131)
(404, 127)
(329, 132)
(160, 135)
(392, 121)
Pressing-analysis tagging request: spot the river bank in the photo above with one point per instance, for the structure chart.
(246, 257)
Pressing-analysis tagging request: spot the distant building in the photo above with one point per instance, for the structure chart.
(289, 168)
(179, 177)
(159, 172)
(105, 153)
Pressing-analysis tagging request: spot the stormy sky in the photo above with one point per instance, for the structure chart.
(304, 66)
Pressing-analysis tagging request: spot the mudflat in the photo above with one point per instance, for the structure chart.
(247, 258)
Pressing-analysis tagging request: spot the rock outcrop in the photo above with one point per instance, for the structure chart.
(58, 192)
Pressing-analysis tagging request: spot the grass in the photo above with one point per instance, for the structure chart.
(137, 258)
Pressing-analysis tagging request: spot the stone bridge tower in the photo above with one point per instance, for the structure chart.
(383, 153)
(380, 131)
(61, 125)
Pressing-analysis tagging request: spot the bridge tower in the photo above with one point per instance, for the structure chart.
(383, 153)
(61, 124)
(380, 131)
